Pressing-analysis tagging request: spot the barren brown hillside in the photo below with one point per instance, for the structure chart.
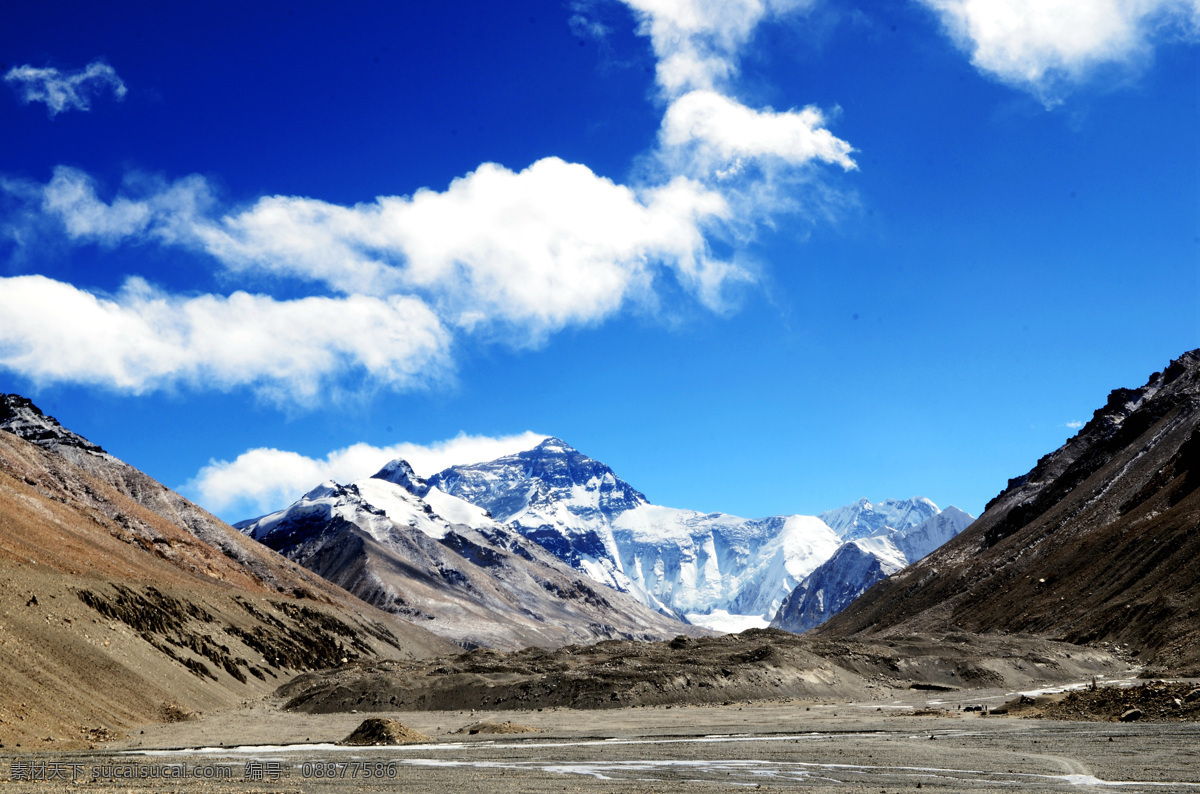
(113, 615)
(1099, 542)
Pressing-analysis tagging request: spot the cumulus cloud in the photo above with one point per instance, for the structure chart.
(707, 133)
(719, 132)
(63, 91)
(512, 255)
(143, 339)
(264, 479)
(1048, 46)
(1075, 425)
(536, 250)
(526, 252)
(500, 254)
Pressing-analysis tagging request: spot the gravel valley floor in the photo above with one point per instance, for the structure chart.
(910, 741)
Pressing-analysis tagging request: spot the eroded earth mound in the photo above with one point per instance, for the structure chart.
(1153, 701)
(377, 732)
(759, 664)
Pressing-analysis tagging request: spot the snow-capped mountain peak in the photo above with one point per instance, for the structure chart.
(401, 473)
(919, 541)
(861, 562)
(676, 560)
(552, 484)
(864, 518)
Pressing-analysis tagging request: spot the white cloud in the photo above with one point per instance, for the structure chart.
(500, 254)
(721, 133)
(526, 252)
(1047, 46)
(1074, 425)
(169, 212)
(262, 480)
(65, 90)
(536, 250)
(711, 136)
(697, 42)
(143, 339)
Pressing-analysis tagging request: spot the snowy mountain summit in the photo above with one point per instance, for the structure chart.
(556, 496)
(718, 570)
(402, 544)
(861, 561)
(864, 519)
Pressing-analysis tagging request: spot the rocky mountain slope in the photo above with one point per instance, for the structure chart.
(717, 569)
(411, 549)
(859, 563)
(1098, 542)
(115, 609)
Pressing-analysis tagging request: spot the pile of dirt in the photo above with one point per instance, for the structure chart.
(760, 664)
(489, 728)
(377, 731)
(1154, 701)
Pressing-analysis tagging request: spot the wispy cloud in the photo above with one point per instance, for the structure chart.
(65, 90)
(1048, 47)
(584, 23)
(1074, 425)
(264, 479)
(698, 43)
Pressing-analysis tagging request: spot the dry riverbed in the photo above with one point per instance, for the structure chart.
(904, 742)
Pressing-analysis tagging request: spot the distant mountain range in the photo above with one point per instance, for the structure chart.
(548, 546)
(1098, 542)
(860, 563)
(717, 570)
(409, 548)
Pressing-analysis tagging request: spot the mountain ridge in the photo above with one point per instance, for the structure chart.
(113, 613)
(1108, 519)
(713, 568)
(404, 545)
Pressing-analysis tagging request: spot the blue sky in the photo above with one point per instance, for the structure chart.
(760, 256)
